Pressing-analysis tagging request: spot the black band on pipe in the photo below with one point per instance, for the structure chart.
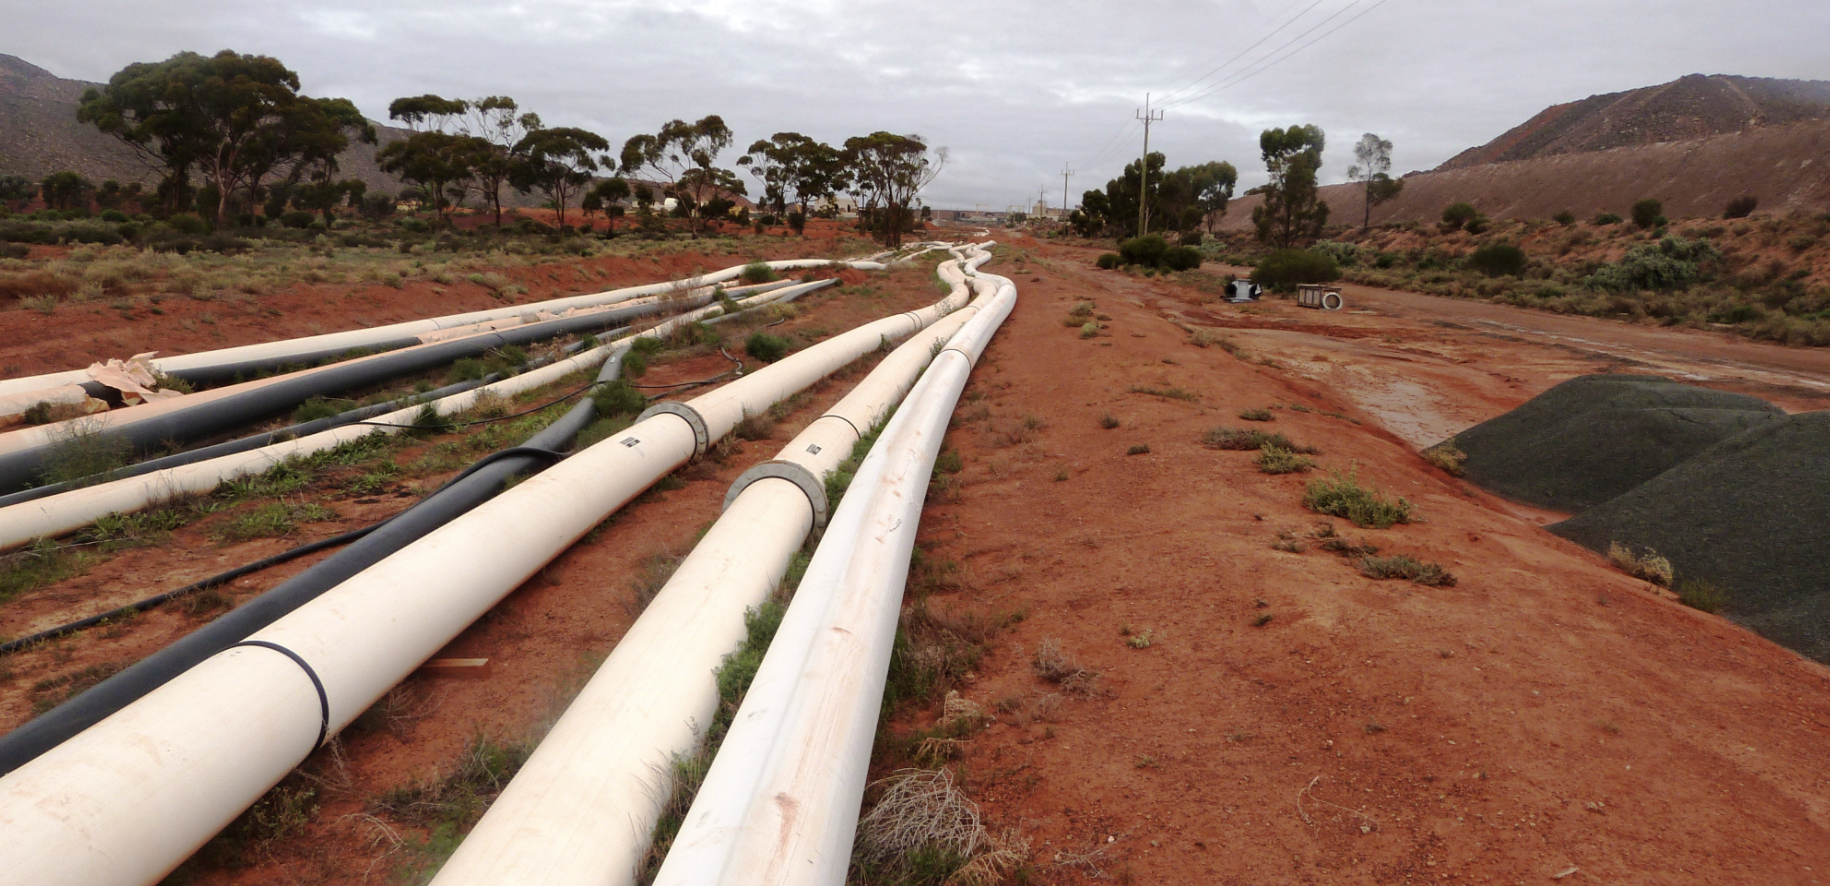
(854, 427)
(323, 700)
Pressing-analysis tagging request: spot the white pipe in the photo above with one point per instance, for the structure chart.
(356, 338)
(157, 779)
(53, 515)
(582, 809)
(780, 802)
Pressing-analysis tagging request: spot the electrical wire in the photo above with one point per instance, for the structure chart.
(1171, 96)
(1266, 62)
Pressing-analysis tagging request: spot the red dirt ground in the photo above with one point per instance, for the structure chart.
(1545, 713)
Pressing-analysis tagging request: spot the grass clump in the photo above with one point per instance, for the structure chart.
(82, 453)
(1250, 439)
(616, 398)
(316, 408)
(1258, 414)
(1108, 421)
(1448, 456)
(1138, 449)
(1170, 393)
(275, 520)
(924, 830)
(1409, 568)
(1089, 329)
(1702, 594)
(1277, 460)
(758, 272)
(766, 346)
(1648, 566)
(1056, 666)
(1343, 496)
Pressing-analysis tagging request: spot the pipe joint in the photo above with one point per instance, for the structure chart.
(702, 437)
(811, 486)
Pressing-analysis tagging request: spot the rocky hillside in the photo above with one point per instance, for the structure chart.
(1690, 107)
(39, 134)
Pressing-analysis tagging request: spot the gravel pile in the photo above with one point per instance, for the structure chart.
(1595, 437)
(1751, 515)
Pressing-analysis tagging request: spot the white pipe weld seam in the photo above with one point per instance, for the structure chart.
(355, 338)
(52, 515)
(780, 802)
(165, 773)
(583, 807)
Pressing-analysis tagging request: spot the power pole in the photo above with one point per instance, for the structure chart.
(1065, 172)
(1143, 168)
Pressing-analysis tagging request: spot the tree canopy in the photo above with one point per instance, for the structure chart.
(888, 171)
(235, 119)
(1372, 164)
(679, 148)
(1292, 212)
(791, 163)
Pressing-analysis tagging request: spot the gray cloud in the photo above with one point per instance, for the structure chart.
(1015, 90)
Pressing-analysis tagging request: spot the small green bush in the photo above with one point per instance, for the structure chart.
(1181, 258)
(1259, 414)
(1283, 269)
(1498, 260)
(766, 346)
(1740, 207)
(1146, 250)
(1456, 215)
(1606, 218)
(1249, 439)
(1276, 460)
(618, 398)
(1409, 568)
(316, 408)
(1343, 496)
(758, 272)
(188, 223)
(1108, 261)
(297, 218)
(1647, 213)
(1564, 218)
(1698, 593)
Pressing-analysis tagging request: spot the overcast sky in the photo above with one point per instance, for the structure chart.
(1015, 91)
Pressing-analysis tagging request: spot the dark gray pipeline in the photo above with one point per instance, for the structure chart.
(290, 432)
(479, 484)
(18, 469)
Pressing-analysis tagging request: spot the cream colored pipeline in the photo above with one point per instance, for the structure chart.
(130, 798)
(779, 805)
(54, 515)
(356, 338)
(581, 811)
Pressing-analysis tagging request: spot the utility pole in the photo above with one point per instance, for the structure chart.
(1143, 168)
(1065, 172)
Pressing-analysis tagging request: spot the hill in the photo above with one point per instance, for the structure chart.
(39, 134)
(1690, 107)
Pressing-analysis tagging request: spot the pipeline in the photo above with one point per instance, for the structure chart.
(780, 802)
(23, 523)
(163, 774)
(248, 360)
(23, 454)
(582, 808)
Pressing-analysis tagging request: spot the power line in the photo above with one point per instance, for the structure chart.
(1242, 76)
(1170, 97)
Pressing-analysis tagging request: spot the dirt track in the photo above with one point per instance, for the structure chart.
(1546, 713)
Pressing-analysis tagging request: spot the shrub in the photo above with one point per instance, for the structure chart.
(1409, 568)
(314, 409)
(1498, 259)
(1672, 263)
(1647, 213)
(766, 346)
(1456, 215)
(1564, 218)
(1108, 421)
(1190, 238)
(1476, 224)
(758, 272)
(618, 398)
(1108, 261)
(1447, 456)
(1181, 258)
(1138, 449)
(1249, 439)
(1740, 207)
(297, 218)
(1698, 593)
(188, 223)
(1276, 460)
(1146, 250)
(114, 216)
(1343, 496)
(1606, 218)
(1648, 566)
(1283, 269)
(1259, 414)
(1089, 329)
(1081, 310)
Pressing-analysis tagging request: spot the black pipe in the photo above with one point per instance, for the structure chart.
(19, 468)
(479, 484)
(256, 441)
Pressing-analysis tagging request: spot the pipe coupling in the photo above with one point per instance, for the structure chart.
(702, 438)
(813, 487)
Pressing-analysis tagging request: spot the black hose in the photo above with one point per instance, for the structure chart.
(20, 467)
(463, 493)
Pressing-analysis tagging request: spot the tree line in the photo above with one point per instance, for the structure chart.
(1184, 199)
(232, 130)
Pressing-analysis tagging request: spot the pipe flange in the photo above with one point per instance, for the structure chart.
(702, 438)
(792, 472)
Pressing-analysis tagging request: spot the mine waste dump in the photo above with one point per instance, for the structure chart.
(1728, 488)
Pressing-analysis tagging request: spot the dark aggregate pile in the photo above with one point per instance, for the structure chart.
(1593, 438)
(1751, 515)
